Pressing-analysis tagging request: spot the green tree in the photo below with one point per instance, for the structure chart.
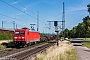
(86, 21)
(66, 33)
(80, 30)
(88, 8)
(42, 34)
(73, 32)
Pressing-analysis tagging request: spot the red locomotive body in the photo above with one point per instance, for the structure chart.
(25, 36)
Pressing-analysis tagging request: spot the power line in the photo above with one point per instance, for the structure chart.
(6, 11)
(31, 11)
(11, 13)
(9, 16)
(35, 14)
(18, 9)
(12, 18)
(56, 16)
(25, 7)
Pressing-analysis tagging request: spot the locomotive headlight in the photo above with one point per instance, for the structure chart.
(19, 37)
(15, 37)
(22, 37)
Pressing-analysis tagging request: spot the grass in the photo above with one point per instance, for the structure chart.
(2, 47)
(69, 55)
(10, 40)
(62, 52)
(87, 44)
(4, 42)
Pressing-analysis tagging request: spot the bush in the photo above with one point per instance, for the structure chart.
(2, 47)
(42, 34)
(4, 36)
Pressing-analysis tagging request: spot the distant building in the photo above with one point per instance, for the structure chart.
(6, 31)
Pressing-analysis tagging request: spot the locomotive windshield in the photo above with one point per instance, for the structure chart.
(19, 32)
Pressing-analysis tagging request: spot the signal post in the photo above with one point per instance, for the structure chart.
(56, 29)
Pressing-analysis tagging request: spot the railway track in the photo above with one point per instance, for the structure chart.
(13, 50)
(27, 53)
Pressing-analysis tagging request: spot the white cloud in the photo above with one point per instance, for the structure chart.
(14, 2)
(81, 6)
(77, 8)
(85, 2)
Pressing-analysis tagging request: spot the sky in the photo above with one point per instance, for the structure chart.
(24, 13)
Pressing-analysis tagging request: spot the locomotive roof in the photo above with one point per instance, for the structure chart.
(22, 28)
(28, 29)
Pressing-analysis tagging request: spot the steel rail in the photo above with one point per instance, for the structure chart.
(24, 55)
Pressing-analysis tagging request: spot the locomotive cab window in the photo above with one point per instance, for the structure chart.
(16, 32)
(19, 32)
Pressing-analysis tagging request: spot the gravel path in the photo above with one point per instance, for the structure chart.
(1, 41)
(83, 52)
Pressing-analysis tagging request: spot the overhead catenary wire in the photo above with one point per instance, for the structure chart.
(22, 11)
(25, 7)
(12, 13)
(35, 14)
(53, 19)
(12, 17)
(56, 16)
(18, 9)
(6, 10)
(32, 12)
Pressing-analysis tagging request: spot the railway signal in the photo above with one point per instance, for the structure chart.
(55, 23)
(56, 28)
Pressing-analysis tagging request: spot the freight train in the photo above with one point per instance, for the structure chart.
(25, 36)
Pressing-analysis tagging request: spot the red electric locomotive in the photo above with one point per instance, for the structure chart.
(25, 36)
